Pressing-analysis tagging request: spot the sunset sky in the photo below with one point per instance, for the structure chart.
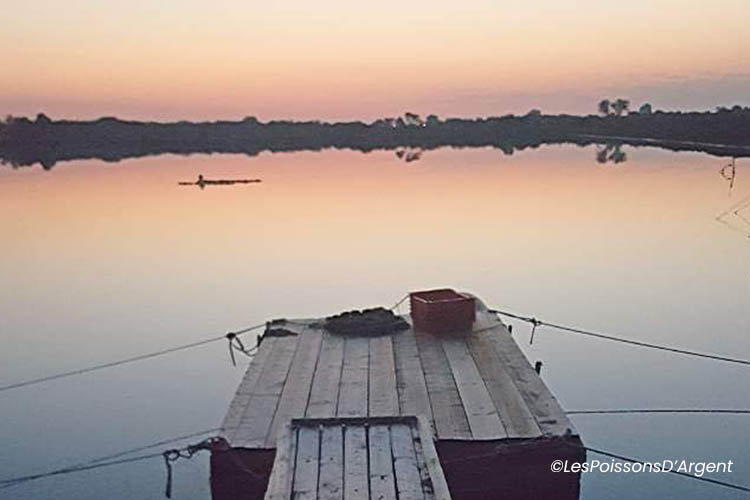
(342, 59)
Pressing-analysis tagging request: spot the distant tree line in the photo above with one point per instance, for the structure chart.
(42, 140)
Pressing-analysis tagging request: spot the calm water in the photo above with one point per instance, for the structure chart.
(102, 261)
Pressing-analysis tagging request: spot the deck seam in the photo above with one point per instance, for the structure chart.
(315, 370)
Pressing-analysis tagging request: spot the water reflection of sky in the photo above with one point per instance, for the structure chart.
(101, 261)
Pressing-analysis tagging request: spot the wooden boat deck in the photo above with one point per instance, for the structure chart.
(474, 386)
(385, 458)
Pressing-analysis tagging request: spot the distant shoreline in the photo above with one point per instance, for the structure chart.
(25, 142)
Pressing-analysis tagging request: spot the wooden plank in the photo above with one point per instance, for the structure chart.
(331, 476)
(541, 403)
(353, 390)
(481, 413)
(424, 474)
(408, 478)
(280, 481)
(382, 482)
(242, 397)
(355, 463)
(296, 391)
(305, 485)
(515, 415)
(431, 461)
(410, 381)
(447, 408)
(256, 422)
(324, 393)
(382, 378)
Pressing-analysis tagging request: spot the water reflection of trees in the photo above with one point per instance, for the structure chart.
(611, 153)
(729, 172)
(409, 154)
(25, 142)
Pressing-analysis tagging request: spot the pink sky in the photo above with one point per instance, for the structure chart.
(340, 60)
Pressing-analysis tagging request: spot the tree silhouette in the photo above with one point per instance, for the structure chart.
(413, 119)
(604, 106)
(620, 106)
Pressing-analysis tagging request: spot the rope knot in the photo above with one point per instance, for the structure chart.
(535, 323)
(235, 344)
(173, 455)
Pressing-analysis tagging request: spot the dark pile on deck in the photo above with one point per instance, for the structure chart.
(366, 323)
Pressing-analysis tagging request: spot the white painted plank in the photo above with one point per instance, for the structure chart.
(324, 393)
(447, 408)
(355, 463)
(280, 481)
(518, 420)
(331, 481)
(382, 373)
(410, 380)
(296, 391)
(353, 390)
(382, 482)
(432, 461)
(408, 478)
(242, 397)
(547, 411)
(481, 413)
(305, 485)
(256, 421)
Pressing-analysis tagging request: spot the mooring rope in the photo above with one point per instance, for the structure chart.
(617, 456)
(717, 482)
(628, 411)
(187, 452)
(538, 323)
(119, 454)
(169, 456)
(401, 301)
(231, 336)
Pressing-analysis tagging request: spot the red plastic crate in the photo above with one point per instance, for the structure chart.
(442, 311)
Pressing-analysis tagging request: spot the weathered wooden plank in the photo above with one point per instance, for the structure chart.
(382, 378)
(518, 420)
(296, 391)
(546, 410)
(331, 476)
(382, 482)
(424, 474)
(280, 481)
(324, 393)
(410, 381)
(353, 390)
(447, 408)
(305, 485)
(242, 397)
(355, 463)
(408, 478)
(431, 461)
(481, 413)
(256, 422)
